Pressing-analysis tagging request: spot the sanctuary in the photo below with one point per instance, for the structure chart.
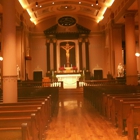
(69, 77)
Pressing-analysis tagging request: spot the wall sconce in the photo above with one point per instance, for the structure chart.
(1, 58)
(137, 54)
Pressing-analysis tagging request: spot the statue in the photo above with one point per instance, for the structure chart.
(120, 70)
(18, 72)
(67, 48)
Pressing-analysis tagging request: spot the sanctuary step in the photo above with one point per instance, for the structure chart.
(71, 93)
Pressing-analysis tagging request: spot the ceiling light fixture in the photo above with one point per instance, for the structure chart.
(36, 4)
(96, 2)
(92, 5)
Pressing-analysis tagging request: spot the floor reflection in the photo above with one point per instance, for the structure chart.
(70, 103)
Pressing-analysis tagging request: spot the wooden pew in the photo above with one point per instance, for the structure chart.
(116, 107)
(28, 107)
(133, 122)
(15, 133)
(106, 101)
(26, 113)
(17, 121)
(94, 93)
(30, 101)
(47, 105)
(112, 98)
(123, 113)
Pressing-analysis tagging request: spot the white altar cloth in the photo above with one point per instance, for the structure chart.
(69, 80)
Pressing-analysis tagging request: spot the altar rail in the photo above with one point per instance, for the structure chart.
(40, 84)
(60, 83)
(98, 82)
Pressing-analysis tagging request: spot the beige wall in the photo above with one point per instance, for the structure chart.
(38, 54)
(96, 52)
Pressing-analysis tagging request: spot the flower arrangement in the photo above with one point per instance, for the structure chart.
(74, 68)
(61, 68)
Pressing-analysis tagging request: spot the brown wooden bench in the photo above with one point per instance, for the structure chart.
(133, 122)
(94, 93)
(32, 101)
(26, 105)
(47, 99)
(105, 101)
(17, 121)
(26, 113)
(116, 107)
(15, 133)
(123, 114)
(116, 98)
(109, 99)
(22, 106)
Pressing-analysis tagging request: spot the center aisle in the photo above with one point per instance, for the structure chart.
(76, 119)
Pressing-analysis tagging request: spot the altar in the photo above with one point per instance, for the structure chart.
(69, 80)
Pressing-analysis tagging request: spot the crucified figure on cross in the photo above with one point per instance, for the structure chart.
(67, 48)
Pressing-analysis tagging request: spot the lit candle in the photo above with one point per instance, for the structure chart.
(52, 73)
(71, 65)
(83, 72)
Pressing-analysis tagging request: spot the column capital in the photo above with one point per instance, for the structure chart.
(54, 40)
(79, 39)
(47, 41)
(130, 13)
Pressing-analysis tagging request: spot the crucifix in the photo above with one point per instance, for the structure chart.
(67, 48)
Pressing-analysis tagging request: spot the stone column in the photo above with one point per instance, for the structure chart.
(138, 59)
(117, 43)
(80, 55)
(54, 55)
(111, 46)
(83, 54)
(48, 54)
(87, 53)
(131, 64)
(9, 52)
(51, 57)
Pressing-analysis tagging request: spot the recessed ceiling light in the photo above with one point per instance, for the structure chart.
(79, 2)
(92, 5)
(52, 2)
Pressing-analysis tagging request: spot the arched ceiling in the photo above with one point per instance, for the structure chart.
(41, 10)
